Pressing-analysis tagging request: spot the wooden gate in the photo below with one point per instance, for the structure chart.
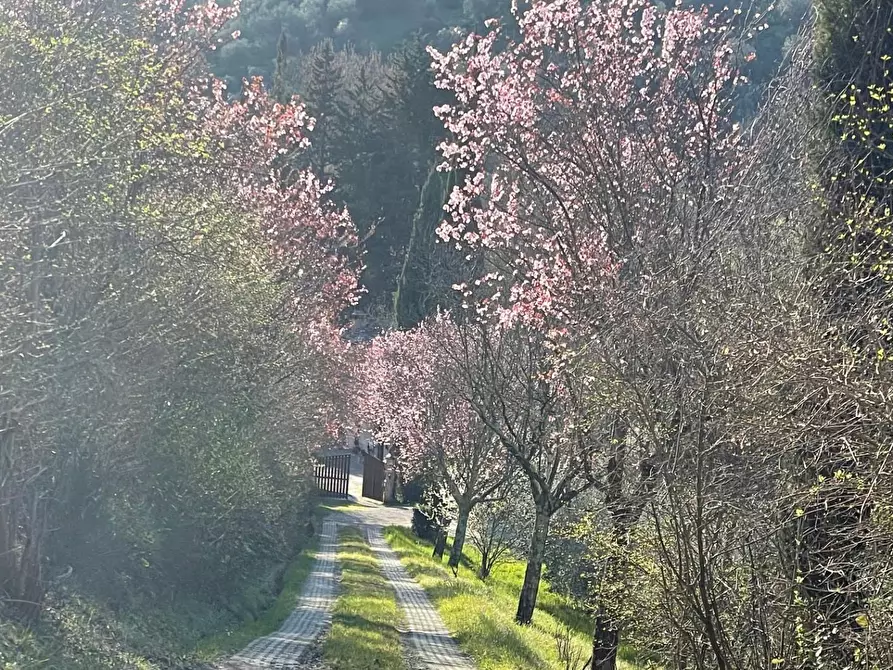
(332, 476)
(373, 478)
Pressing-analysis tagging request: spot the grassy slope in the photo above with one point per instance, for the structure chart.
(233, 639)
(481, 615)
(80, 632)
(364, 634)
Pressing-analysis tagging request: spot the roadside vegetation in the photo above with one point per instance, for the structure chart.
(480, 614)
(81, 631)
(364, 633)
(165, 370)
(235, 638)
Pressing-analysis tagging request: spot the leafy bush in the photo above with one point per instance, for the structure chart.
(423, 526)
(169, 357)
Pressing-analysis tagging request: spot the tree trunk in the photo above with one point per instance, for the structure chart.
(30, 588)
(625, 510)
(484, 570)
(531, 586)
(605, 641)
(606, 633)
(459, 539)
(7, 513)
(440, 543)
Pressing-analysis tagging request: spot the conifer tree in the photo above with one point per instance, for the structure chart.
(413, 98)
(280, 90)
(322, 88)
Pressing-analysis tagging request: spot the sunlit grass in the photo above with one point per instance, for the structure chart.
(364, 633)
(232, 640)
(336, 505)
(481, 615)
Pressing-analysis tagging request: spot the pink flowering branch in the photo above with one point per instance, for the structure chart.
(415, 398)
(582, 141)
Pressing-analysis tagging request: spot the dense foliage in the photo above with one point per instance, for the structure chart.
(635, 290)
(168, 355)
(677, 321)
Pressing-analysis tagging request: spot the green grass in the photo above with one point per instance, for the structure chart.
(481, 614)
(340, 506)
(232, 640)
(80, 632)
(364, 635)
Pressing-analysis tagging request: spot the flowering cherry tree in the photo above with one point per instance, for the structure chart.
(584, 141)
(598, 150)
(413, 395)
(245, 142)
(244, 145)
(308, 235)
(311, 240)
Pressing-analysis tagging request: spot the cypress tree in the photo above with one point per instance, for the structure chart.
(323, 89)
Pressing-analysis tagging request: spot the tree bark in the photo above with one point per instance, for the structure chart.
(7, 514)
(459, 539)
(440, 543)
(605, 641)
(484, 570)
(535, 556)
(606, 632)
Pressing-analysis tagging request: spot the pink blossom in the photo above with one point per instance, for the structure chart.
(586, 129)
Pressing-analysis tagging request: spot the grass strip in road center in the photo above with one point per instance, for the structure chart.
(364, 633)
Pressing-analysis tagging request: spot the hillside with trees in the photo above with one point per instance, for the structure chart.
(612, 281)
(363, 71)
